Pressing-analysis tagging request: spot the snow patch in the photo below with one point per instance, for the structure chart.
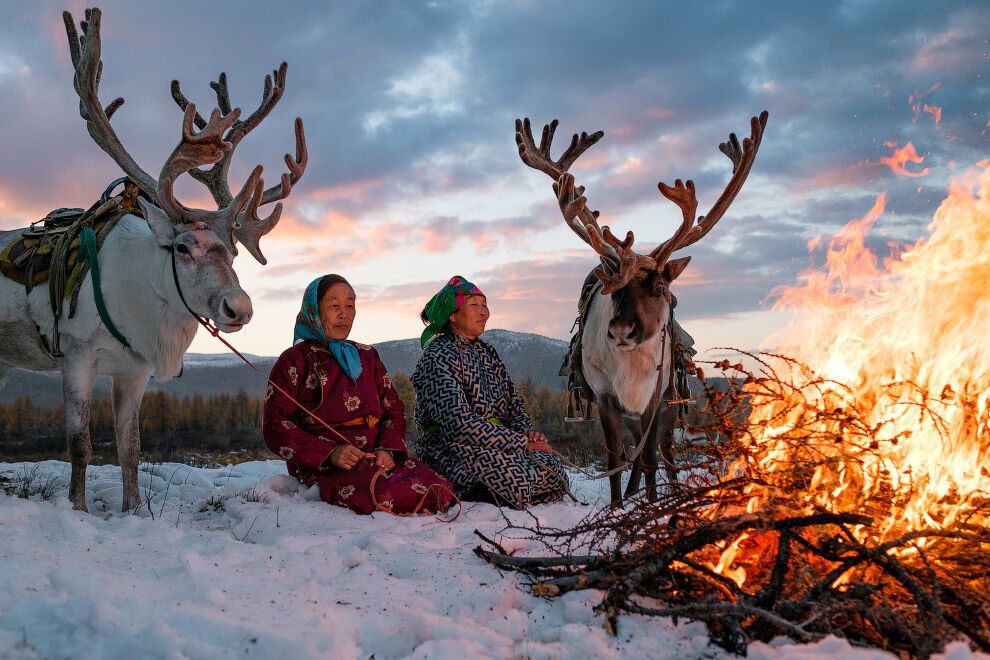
(244, 561)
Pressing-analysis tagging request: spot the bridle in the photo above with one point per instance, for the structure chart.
(205, 322)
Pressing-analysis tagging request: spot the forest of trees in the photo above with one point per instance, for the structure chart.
(227, 428)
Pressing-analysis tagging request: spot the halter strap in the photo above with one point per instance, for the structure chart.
(87, 241)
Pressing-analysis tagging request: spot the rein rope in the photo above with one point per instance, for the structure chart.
(215, 331)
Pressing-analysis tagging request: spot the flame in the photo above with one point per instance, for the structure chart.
(902, 341)
(897, 160)
(725, 562)
(906, 342)
(914, 100)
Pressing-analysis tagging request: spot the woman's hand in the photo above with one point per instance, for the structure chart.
(536, 441)
(346, 457)
(383, 459)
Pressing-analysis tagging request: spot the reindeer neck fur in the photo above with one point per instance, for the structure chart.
(142, 299)
(631, 377)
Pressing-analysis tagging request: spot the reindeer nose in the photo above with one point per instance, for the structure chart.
(235, 308)
(622, 333)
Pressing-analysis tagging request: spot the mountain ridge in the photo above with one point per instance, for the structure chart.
(527, 356)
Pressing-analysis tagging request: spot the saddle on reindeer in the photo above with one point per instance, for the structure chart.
(61, 249)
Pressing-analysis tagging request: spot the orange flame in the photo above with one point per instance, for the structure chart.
(921, 319)
(914, 100)
(898, 160)
(905, 344)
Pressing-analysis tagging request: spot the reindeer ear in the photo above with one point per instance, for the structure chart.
(161, 225)
(674, 267)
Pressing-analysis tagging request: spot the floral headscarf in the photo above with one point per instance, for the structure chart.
(309, 326)
(447, 301)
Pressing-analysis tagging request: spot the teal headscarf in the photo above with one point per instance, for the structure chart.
(447, 301)
(309, 326)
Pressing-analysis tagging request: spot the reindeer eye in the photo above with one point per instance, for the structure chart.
(660, 289)
(182, 249)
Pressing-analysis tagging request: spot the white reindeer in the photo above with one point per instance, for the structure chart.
(627, 344)
(159, 273)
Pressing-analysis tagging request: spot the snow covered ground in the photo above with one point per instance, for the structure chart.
(242, 561)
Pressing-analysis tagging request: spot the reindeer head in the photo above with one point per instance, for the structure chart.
(203, 269)
(203, 243)
(639, 284)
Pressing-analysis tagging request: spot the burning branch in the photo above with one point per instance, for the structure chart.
(793, 531)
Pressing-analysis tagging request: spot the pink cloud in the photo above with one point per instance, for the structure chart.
(659, 112)
(947, 51)
(357, 191)
(840, 176)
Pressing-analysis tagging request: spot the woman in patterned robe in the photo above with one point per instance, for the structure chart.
(346, 385)
(474, 425)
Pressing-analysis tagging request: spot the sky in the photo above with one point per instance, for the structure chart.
(414, 175)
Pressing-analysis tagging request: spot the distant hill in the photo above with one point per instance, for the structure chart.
(527, 356)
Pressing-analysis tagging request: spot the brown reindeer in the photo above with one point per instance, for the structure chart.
(162, 267)
(626, 344)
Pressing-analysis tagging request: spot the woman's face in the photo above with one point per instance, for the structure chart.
(337, 311)
(469, 321)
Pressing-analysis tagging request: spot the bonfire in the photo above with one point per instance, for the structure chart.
(845, 488)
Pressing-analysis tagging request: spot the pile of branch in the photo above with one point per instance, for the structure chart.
(802, 571)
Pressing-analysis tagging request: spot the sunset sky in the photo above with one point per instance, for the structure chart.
(414, 175)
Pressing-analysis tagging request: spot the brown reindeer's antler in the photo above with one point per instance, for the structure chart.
(683, 195)
(617, 256)
(236, 219)
(619, 263)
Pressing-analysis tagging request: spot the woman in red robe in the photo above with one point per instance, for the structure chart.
(345, 384)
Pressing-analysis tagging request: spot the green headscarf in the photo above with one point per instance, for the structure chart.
(447, 301)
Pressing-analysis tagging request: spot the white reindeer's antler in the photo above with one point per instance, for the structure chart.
(237, 216)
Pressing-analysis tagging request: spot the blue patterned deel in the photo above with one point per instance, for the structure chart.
(473, 424)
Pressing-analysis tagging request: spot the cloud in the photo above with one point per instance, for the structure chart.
(409, 111)
(434, 87)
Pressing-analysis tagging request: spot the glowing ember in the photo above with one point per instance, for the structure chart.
(901, 157)
(915, 101)
(906, 346)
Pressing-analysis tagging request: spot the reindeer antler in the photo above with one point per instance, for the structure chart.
(237, 217)
(250, 230)
(619, 262)
(88, 65)
(683, 195)
(616, 256)
(202, 148)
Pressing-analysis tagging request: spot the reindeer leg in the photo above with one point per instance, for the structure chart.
(632, 486)
(77, 390)
(127, 393)
(666, 420)
(611, 417)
